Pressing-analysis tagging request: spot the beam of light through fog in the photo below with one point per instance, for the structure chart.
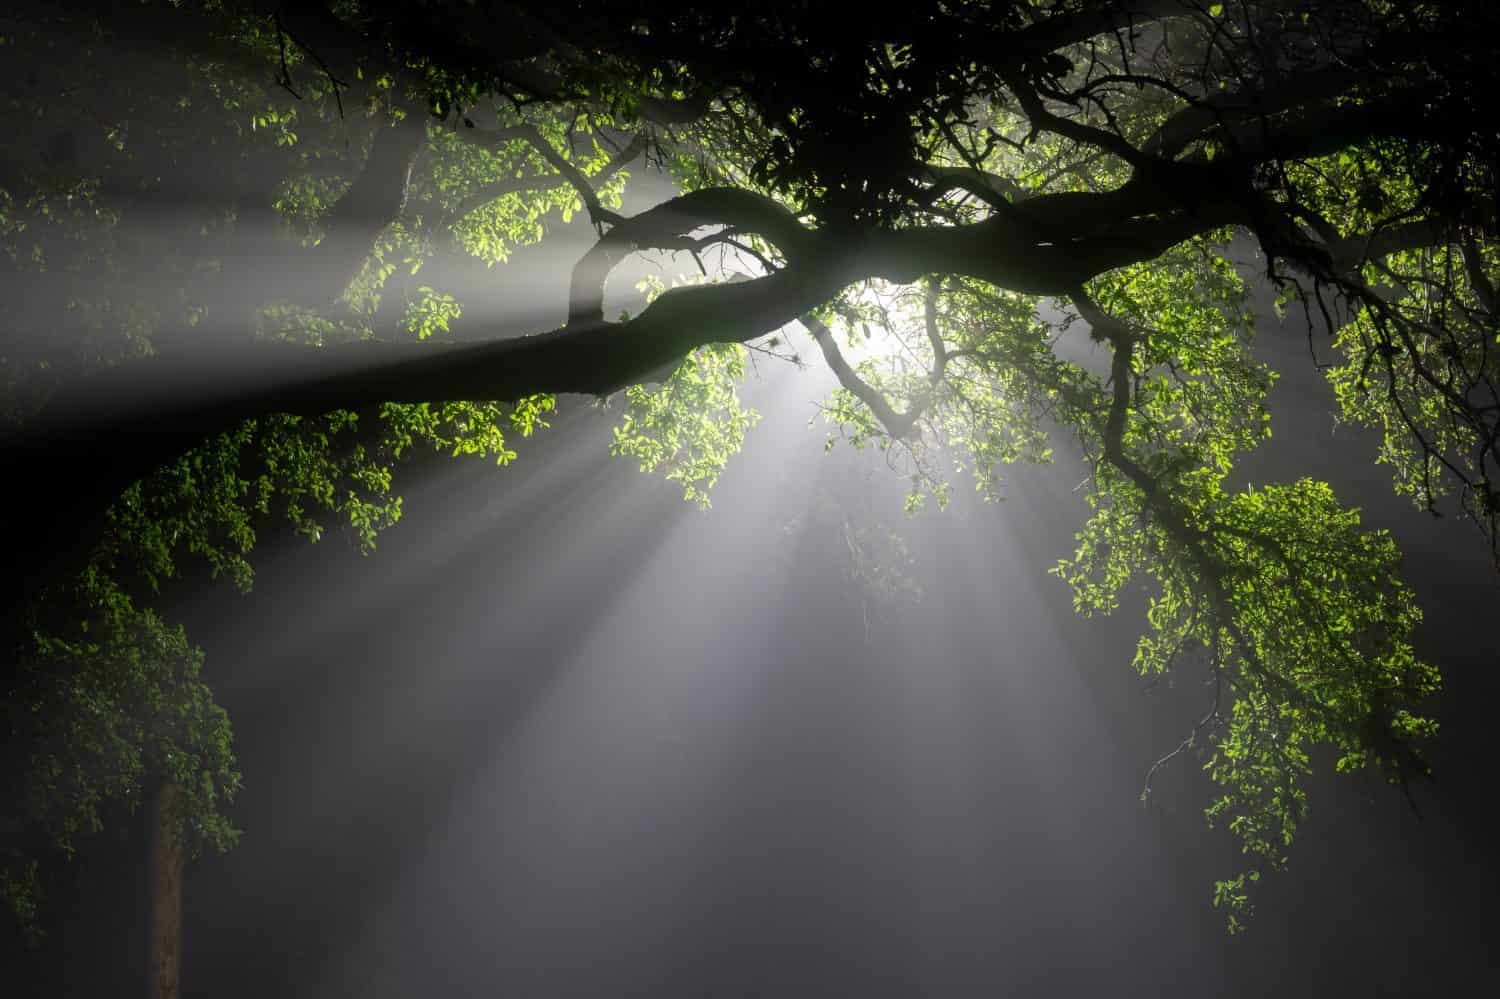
(689, 733)
(615, 764)
(563, 734)
(707, 775)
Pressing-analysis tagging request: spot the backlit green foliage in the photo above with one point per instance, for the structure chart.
(1409, 362)
(689, 427)
(110, 698)
(1301, 614)
(107, 705)
(497, 196)
(1298, 612)
(432, 313)
(1312, 642)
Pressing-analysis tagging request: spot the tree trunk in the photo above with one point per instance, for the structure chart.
(168, 867)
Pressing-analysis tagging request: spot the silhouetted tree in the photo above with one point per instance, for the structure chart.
(235, 222)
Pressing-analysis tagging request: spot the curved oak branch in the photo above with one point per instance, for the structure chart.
(667, 227)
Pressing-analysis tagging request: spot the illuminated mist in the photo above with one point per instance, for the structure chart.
(564, 734)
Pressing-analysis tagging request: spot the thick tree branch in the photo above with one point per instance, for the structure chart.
(1348, 255)
(156, 410)
(1100, 17)
(1238, 112)
(1484, 290)
(161, 407)
(996, 191)
(1324, 129)
(666, 227)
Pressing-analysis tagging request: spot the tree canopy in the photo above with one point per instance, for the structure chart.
(225, 229)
